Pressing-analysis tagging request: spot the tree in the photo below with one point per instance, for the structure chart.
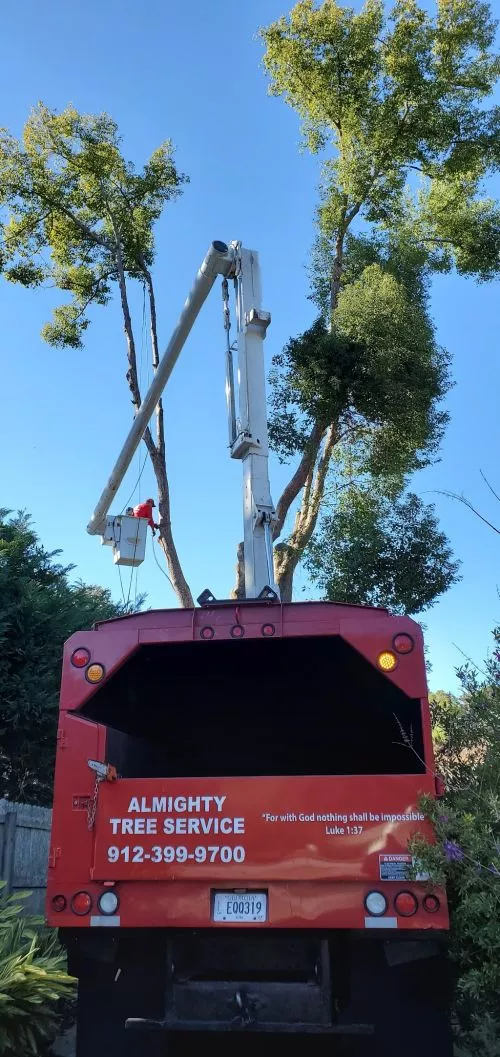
(39, 609)
(80, 217)
(398, 103)
(380, 552)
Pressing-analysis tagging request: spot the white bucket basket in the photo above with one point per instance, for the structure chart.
(127, 536)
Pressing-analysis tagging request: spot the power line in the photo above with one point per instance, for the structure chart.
(121, 584)
(136, 483)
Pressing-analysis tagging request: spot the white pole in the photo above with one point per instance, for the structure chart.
(218, 261)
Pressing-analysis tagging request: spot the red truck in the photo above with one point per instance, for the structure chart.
(236, 787)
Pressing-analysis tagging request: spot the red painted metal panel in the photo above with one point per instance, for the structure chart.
(240, 829)
(295, 904)
(316, 875)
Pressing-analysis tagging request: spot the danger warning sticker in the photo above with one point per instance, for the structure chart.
(394, 867)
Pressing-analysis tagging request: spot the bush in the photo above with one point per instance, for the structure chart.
(467, 853)
(33, 979)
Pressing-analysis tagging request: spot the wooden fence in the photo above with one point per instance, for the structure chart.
(24, 850)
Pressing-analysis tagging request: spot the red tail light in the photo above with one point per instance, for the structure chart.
(431, 904)
(80, 658)
(58, 903)
(406, 904)
(81, 903)
(403, 643)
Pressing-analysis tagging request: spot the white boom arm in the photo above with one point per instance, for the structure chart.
(248, 436)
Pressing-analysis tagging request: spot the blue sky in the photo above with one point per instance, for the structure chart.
(191, 72)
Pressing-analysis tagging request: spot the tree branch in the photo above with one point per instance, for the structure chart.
(311, 511)
(466, 502)
(297, 482)
(288, 554)
(492, 490)
(132, 378)
(166, 537)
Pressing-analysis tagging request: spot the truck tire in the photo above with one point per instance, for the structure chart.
(408, 1004)
(111, 988)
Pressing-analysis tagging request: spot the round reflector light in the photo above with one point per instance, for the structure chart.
(207, 632)
(94, 673)
(237, 631)
(58, 903)
(268, 630)
(406, 904)
(387, 661)
(376, 904)
(403, 643)
(431, 904)
(81, 903)
(80, 658)
(108, 902)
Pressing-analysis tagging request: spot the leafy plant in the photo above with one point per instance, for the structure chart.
(39, 608)
(33, 979)
(467, 853)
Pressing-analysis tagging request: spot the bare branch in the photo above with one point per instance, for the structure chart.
(492, 490)
(466, 502)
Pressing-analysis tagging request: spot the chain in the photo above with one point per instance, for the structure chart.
(92, 804)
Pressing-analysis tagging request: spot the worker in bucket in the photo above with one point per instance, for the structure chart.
(146, 510)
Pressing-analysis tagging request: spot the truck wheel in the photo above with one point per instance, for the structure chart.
(407, 1002)
(104, 1003)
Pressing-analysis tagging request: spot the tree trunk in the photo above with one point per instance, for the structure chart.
(337, 266)
(287, 555)
(156, 453)
(166, 538)
(284, 570)
(297, 482)
(239, 587)
(132, 379)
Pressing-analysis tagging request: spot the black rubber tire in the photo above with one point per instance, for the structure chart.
(408, 1004)
(131, 986)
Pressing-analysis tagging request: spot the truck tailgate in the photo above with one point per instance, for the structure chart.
(243, 829)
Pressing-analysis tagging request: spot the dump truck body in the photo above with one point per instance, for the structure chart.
(236, 791)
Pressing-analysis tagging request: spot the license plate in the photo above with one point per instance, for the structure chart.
(240, 906)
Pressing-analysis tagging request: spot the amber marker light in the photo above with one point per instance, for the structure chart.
(94, 673)
(387, 661)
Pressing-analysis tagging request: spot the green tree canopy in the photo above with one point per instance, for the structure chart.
(382, 553)
(40, 607)
(77, 214)
(396, 103)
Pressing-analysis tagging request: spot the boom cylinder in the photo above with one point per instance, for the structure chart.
(218, 261)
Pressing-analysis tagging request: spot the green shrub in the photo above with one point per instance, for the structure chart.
(33, 978)
(467, 853)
